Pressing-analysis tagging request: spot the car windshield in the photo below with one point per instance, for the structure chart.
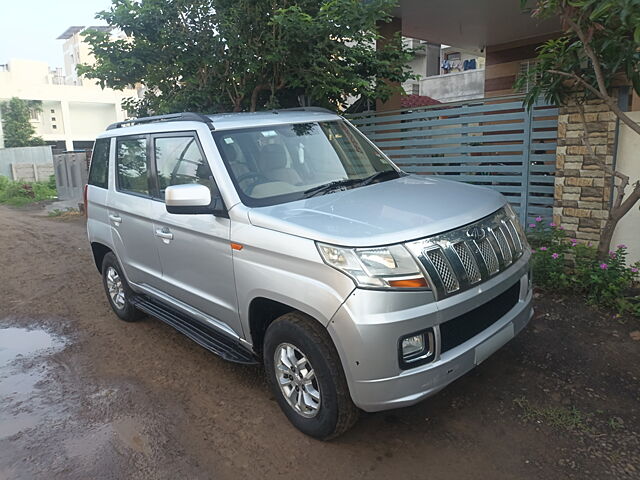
(277, 164)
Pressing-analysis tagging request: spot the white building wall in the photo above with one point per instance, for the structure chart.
(628, 230)
(69, 112)
(454, 87)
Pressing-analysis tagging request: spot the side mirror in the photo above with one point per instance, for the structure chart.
(193, 198)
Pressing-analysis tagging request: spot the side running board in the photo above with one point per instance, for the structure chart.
(206, 337)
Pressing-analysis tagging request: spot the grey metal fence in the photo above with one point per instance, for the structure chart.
(491, 142)
(71, 170)
(15, 157)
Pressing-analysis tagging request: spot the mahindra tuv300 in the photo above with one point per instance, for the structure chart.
(288, 238)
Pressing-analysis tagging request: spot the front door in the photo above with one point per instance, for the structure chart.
(194, 250)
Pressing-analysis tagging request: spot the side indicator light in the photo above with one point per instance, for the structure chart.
(409, 283)
(236, 246)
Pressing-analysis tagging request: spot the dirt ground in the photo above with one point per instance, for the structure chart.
(86, 396)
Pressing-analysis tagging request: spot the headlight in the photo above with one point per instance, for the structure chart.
(380, 267)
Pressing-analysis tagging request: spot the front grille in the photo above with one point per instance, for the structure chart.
(460, 329)
(462, 258)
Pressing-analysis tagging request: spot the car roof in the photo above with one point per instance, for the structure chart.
(222, 121)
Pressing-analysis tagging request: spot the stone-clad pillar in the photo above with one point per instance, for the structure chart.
(582, 183)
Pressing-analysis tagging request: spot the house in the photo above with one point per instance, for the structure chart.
(445, 73)
(535, 157)
(74, 110)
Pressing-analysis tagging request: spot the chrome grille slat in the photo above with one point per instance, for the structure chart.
(444, 270)
(513, 231)
(489, 256)
(507, 255)
(468, 261)
(460, 259)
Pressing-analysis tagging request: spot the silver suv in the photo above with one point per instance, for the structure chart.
(287, 238)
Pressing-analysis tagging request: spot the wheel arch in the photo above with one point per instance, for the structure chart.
(99, 251)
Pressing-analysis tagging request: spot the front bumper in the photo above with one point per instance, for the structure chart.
(368, 325)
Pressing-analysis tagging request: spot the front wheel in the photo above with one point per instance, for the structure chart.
(306, 377)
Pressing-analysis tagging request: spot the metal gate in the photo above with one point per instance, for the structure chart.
(71, 175)
(492, 142)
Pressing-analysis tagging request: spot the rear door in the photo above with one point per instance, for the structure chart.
(130, 211)
(194, 250)
(98, 226)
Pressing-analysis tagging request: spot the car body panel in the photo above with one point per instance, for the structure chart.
(197, 265)
(389, 212)
(368, 325)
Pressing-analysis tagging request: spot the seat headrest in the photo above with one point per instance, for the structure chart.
(273, 156)
(229, 152)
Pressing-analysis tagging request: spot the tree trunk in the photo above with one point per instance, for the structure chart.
(619, 210)
(254, 95)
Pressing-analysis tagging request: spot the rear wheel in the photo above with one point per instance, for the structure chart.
(118, 291)
(306, 377)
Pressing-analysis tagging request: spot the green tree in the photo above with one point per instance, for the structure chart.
(16, 127)
(237, 55)
(600, 45)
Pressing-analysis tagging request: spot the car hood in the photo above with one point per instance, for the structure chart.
(394, 211)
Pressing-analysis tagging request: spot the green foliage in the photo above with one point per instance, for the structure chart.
(561, 264)
(16, 127)
(570, 418)
(19, 193)
(236, 55)
(612, 31)
(548, 261)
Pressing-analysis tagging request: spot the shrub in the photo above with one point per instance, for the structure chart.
(21, 193)
(563, 264)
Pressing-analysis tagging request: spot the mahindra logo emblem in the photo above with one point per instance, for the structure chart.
(476, 233)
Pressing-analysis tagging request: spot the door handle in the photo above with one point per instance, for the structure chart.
(115, 218)
(165, 234)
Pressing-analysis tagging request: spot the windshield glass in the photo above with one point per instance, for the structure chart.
(282, 163)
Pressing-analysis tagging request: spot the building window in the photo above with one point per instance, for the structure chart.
(525, 68)
(34, 114)
(53, 119)
(53, 111)
(55, 127)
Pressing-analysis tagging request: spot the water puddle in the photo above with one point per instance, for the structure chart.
(20, 342)
(19, 382)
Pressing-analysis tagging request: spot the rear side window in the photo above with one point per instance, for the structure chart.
(132, 165)
(178, 161)
(99, 171)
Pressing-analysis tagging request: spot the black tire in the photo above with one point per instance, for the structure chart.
(127, 311)
(336, 413)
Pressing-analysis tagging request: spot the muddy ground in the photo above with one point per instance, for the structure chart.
(86, 396)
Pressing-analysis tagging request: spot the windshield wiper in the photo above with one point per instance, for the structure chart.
(350, 182)
(379, 176)
(328, 187)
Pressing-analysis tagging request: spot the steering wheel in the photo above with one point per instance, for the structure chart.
(255, 175)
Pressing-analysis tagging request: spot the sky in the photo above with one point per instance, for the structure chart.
(29, 28)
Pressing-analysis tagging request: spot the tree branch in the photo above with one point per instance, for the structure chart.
(624, 182)
(611, 103)
(595, 61)
(629, 202)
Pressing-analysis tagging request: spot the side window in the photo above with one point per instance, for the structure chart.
(132, 165)
(179, 161)
(99, 171)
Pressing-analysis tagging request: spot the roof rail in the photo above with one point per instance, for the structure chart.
(172, 117)
(307, 109)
